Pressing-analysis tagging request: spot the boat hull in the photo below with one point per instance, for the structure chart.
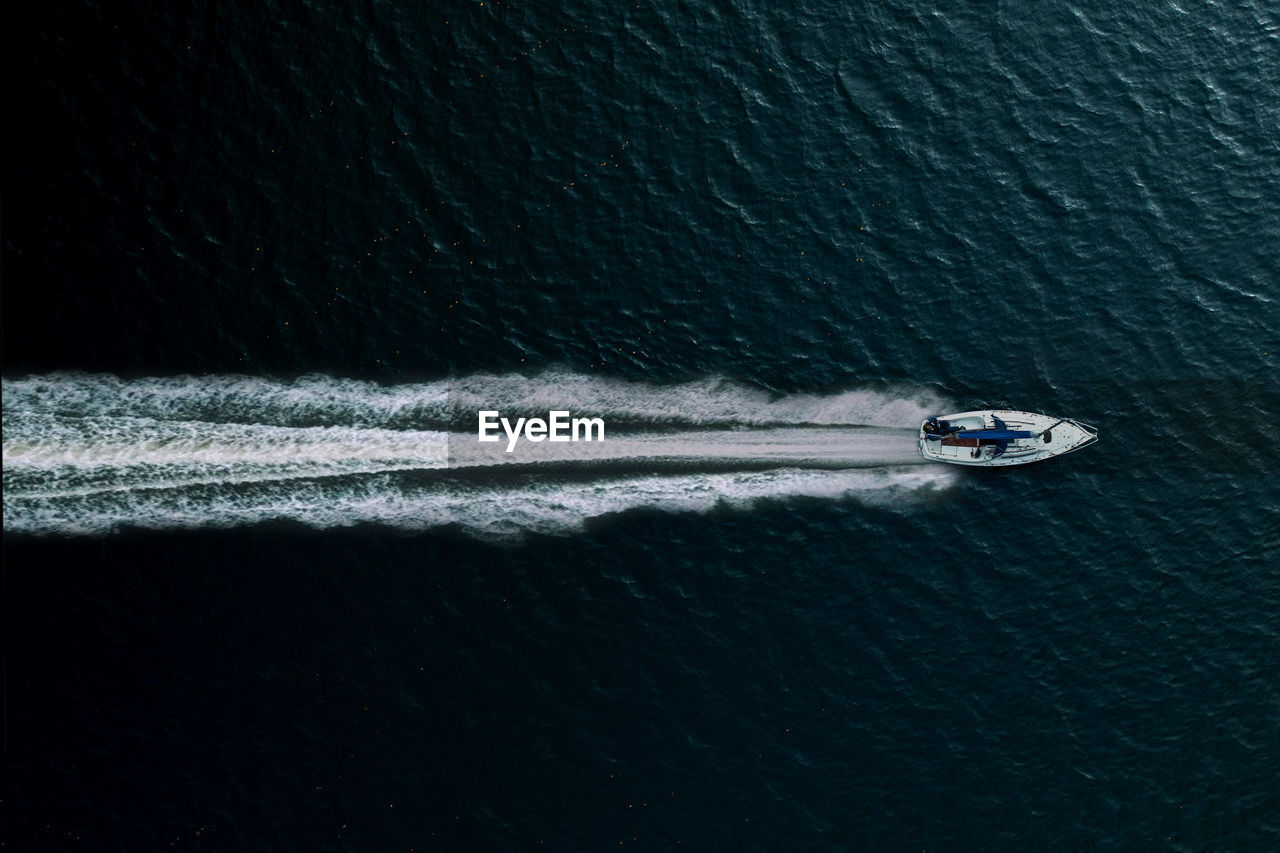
(1049, 437)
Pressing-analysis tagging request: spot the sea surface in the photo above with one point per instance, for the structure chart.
(264, 590)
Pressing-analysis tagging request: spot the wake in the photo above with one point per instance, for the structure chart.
(91, 454)
(814, 447)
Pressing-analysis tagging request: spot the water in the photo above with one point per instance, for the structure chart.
(264, 590)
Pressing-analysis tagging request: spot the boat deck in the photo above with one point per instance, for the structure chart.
(1050, 437)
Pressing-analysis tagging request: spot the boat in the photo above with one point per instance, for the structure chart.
(997, 438)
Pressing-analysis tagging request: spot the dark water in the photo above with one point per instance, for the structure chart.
(262, 266)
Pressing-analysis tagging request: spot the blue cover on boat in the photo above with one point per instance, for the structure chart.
(995, 434)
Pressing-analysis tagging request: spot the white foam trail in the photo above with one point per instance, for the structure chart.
(48, 456)
(324, 400)
(305, 401)
(711, 401)
(500, 512)
(88, 454)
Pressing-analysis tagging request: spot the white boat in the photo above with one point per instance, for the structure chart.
(995, 438)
